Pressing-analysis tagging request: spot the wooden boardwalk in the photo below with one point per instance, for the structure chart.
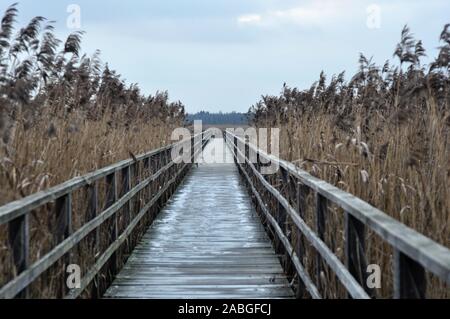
(206, 243)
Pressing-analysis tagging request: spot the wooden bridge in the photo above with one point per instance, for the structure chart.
(153, 227)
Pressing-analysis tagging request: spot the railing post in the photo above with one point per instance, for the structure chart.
(19, 240)
(247, 152)
(165, 178)
(235, 142)
(258, 162)
(321, 208)
(63, 213)
(283, 217)
(91, 213)
(134, 180)
(193, 157)
(146, 165)
(146, 173)
(355, 250)
(111, 198)
(92, 210)
(126, 186)
(153, 165)
(203, 137)
(409, 278)
(299, 247)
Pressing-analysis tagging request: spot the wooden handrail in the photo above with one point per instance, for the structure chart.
(414, 252)
(16, 214)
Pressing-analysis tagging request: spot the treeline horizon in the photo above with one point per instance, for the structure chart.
(218, 118)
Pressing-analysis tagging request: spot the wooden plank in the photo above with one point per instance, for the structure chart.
(229, 296)
(236, 263)
(201, 280)
(156, 271)
(206, 258)
(221, 292)
(200, 277)
(204, 255)
(231, 250)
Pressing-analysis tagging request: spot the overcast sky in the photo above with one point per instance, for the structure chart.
(224, 54)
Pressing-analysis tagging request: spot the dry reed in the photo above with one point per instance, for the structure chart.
(383, 136)
(64, 114)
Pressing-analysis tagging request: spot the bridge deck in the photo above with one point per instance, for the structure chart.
(206, 243)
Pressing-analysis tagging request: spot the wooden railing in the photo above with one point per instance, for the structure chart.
(118, 204)
(281, 200)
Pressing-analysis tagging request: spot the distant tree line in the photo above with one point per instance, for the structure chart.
(219, 118)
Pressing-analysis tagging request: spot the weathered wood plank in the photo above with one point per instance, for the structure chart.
(219, 292)
(200, 280)
(156, 271)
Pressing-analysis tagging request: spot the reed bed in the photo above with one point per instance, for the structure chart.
(64, 114)
(382, 136)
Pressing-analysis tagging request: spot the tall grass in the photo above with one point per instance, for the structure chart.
(383, 136)
(63, 114)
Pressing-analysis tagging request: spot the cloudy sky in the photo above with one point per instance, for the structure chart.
(224, 54)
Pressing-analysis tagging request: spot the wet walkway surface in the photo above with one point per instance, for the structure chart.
(206, 243)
